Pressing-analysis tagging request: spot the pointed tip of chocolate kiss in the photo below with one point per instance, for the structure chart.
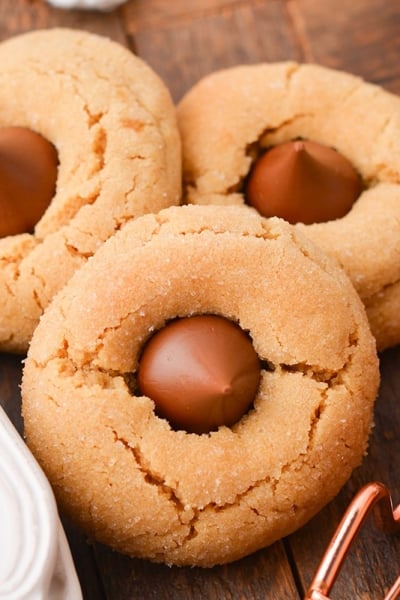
(299, 146)
(303, 181)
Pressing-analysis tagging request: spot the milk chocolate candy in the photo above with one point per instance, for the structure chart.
(201, 372)
(28, 174)
(303, 182)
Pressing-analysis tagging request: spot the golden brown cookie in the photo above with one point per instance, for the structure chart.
(113, 124)
(155, 491)
(230, 117)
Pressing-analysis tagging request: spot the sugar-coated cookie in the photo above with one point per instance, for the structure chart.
(113, 125)
(232, 117)
(153, 490)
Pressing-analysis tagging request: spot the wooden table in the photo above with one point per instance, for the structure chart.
(183, 40)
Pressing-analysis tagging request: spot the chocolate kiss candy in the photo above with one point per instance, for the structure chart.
(28, 174)
(303, 182)
(201, 372)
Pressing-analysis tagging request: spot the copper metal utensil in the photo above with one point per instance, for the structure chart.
(376, 496)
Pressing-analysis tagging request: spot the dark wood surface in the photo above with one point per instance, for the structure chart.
(183, 40)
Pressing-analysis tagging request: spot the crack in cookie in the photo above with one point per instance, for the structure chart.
(102, 139)
(161, 492)
(283, 102)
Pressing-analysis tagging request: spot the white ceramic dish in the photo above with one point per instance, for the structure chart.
(35, 559)
(87, 4)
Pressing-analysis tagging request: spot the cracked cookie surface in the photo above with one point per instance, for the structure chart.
(122, 472)
(231, 116)
(113, 124)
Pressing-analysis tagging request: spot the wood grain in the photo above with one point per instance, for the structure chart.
(374, 561)
(361, 36)
(265, 574)
(184, 50)
(183, 41)
(18, 16)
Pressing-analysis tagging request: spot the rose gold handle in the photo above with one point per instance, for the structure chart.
(373, 495)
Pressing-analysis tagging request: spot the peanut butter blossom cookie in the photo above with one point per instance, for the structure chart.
(201, 387)
(317, 147)
(88, 140)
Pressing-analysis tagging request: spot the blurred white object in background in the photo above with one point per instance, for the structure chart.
(88, 4)
(35, 559)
